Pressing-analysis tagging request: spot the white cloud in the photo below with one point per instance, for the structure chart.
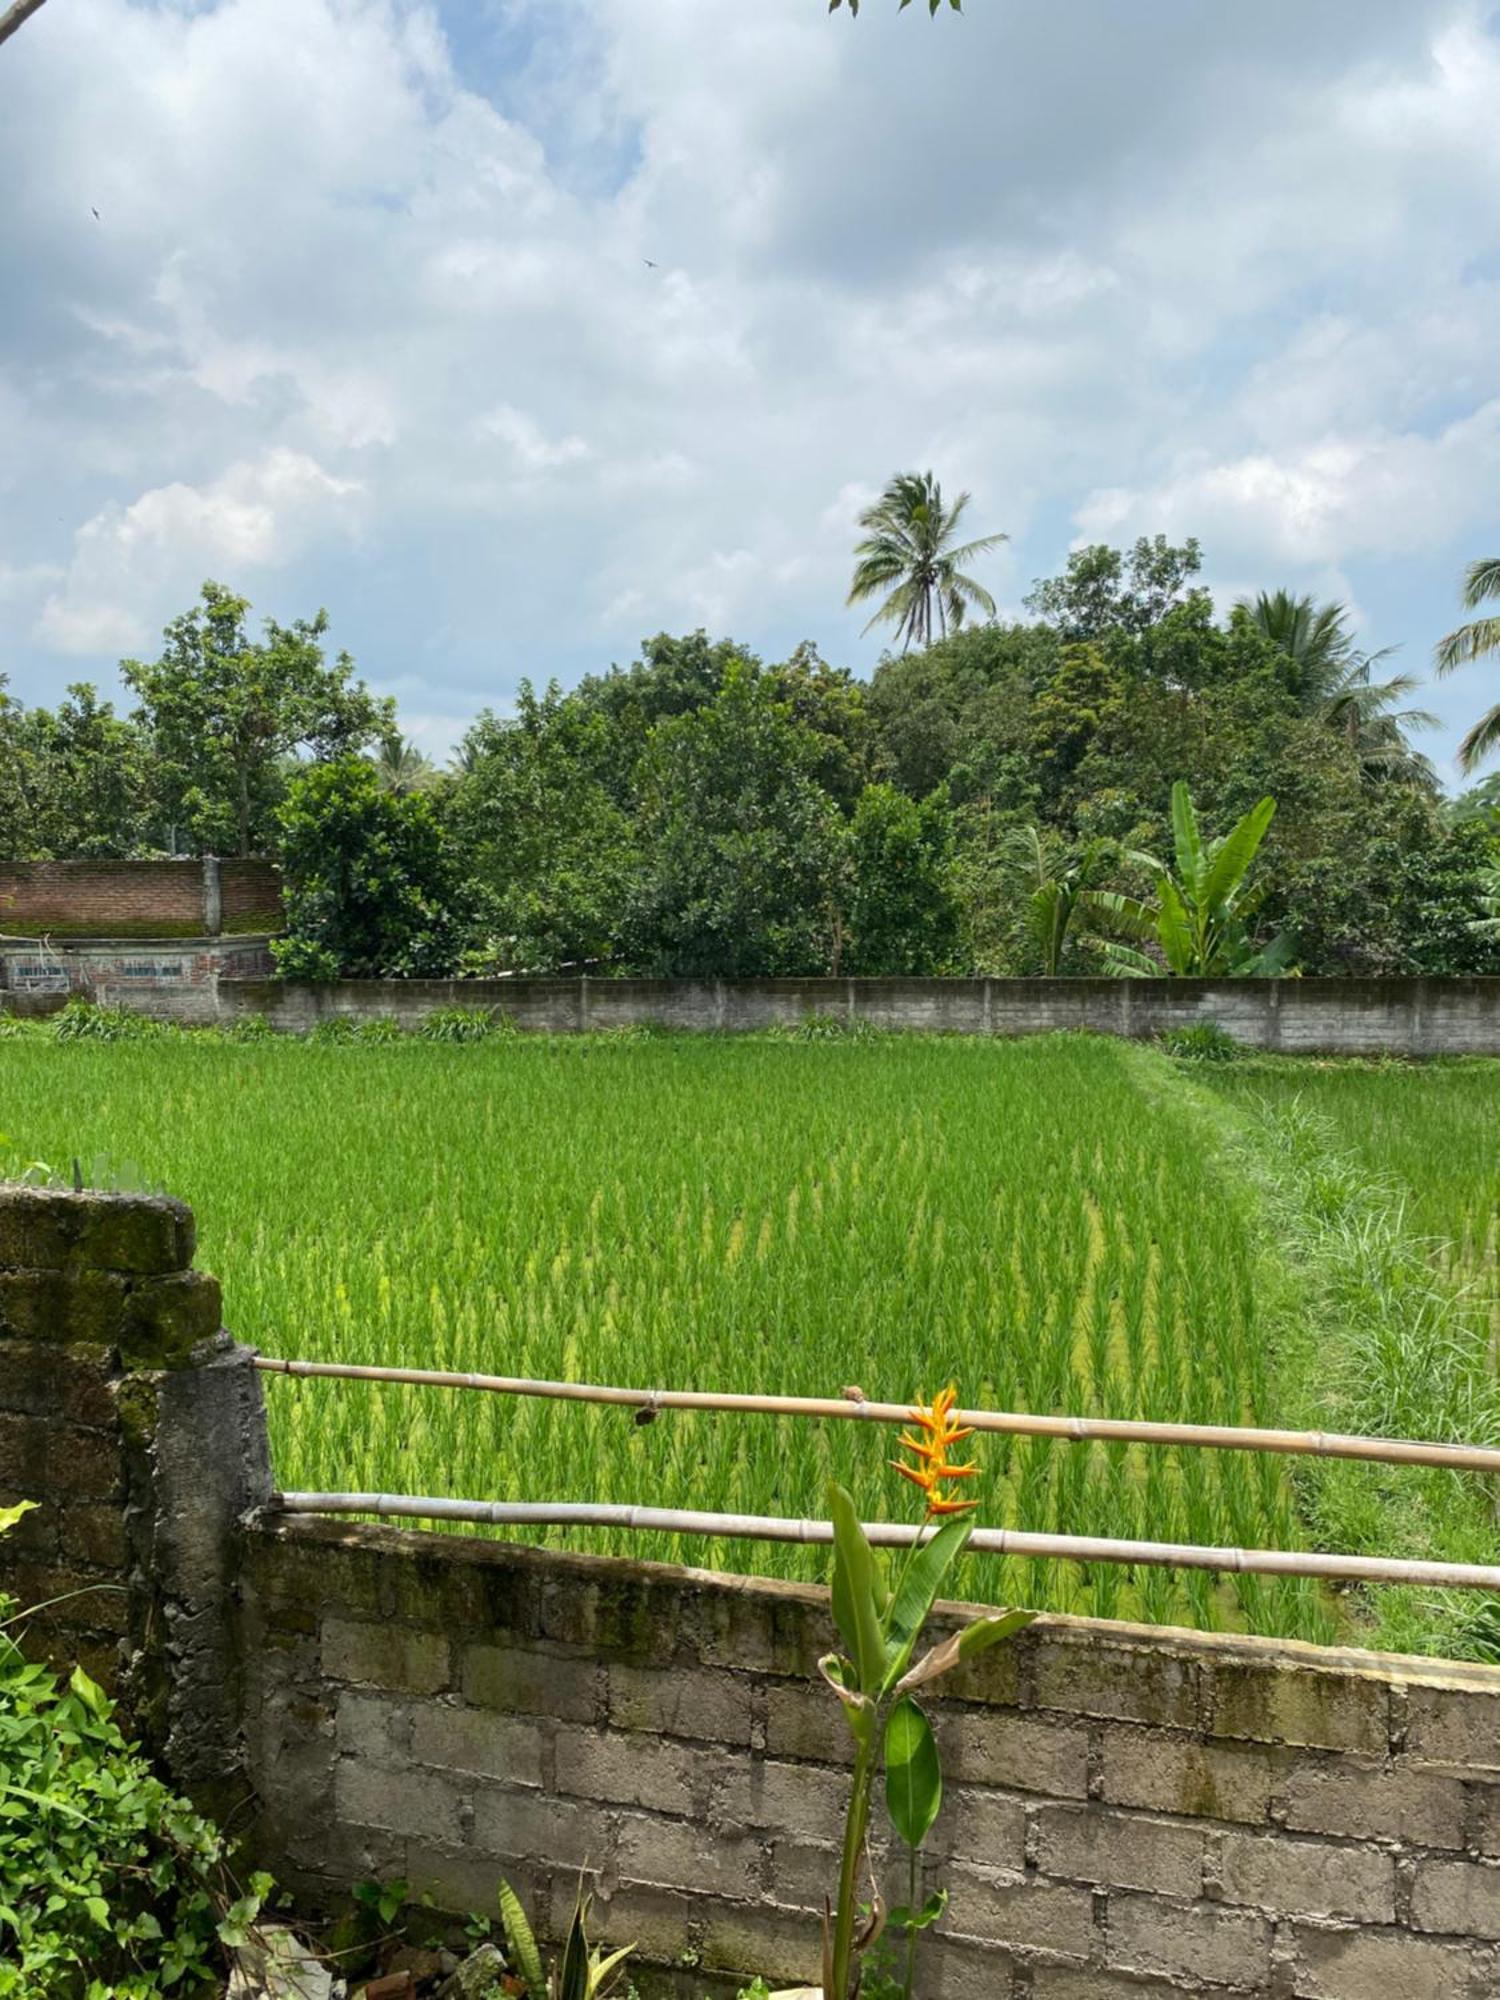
(1341, 497)
(127, 558)
(367, 322)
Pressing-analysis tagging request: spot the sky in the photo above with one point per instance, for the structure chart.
(365, 317)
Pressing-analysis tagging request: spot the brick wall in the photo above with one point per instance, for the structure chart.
(1130, 1814)
(138, 898)
(1348, 1016)
(250, 896)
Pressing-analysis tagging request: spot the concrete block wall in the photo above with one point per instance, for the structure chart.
(138, 1428)
(1417, 1017)
(1130, 1814)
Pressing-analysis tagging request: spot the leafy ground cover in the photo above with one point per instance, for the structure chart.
(1058, 1223)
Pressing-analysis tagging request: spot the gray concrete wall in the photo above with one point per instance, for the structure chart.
(1419, 1017)
(1130, 1814)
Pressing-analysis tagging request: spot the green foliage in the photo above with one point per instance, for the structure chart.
(83, 1020)
(371, 884)
(880, 1624)
(1103, 591)
(75, 781)
(700, 811)
(1204, 1042)
(741, 848)
(1200, 917)
(1477, 640)
(223, 713)
(111, 1887)
(902, 914)
(463, 1024)
(582, 1973)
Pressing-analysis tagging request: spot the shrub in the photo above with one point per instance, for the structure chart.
(336, 1028)
(381, 1028)
(249, 1028)
(82, 1020)
(112, 1887)
(1205, 1042)
(463, 1024)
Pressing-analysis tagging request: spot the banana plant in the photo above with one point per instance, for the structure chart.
(581, 1974)
(1200, 916)
(875, 1681)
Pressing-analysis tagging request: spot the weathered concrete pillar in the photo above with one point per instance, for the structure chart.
(137, 1426)
(213, 898)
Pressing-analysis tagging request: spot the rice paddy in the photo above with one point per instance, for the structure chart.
(1045, 1222)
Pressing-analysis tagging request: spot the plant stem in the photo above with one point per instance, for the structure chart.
(855, 1826)
(912, 1880)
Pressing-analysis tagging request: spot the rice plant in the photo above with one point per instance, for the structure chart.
(761, 1213)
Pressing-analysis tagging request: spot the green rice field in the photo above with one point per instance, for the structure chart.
(1058, 1224)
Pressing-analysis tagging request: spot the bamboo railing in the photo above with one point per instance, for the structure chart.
(853, 1404)
(889, 1534)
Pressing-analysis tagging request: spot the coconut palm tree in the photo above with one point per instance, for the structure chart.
(1476, 641)
(1328, 676)
(909, 552)
(401, 767)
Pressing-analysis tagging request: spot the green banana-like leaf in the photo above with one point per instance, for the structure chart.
(1174, 929)
(1127, 913)
(1187, 840)
(919, 1588)
(855, 1589)
(10, 1515)
(522, 1944)
(913, 1774)
(1236, 851)
(1120, 962)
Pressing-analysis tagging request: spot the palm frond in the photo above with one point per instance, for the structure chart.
(1474, 641)
(1481, 741)
(1481, 582)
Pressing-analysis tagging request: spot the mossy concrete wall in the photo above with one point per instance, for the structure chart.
(1130, 1813)
(137, 1427)
(1416, 1017)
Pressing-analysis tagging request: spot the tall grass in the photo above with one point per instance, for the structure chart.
(1385, 1184)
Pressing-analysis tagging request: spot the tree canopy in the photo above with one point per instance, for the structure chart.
(972, 807)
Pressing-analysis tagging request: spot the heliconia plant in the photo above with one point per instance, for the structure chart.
(880, 1623)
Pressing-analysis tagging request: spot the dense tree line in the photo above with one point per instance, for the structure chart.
(975, 806)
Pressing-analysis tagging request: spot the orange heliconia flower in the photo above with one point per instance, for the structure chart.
(938, 1435)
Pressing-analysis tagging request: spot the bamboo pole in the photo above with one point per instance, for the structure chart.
(17, 16)
(1020, 1423)
(897, 1534)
